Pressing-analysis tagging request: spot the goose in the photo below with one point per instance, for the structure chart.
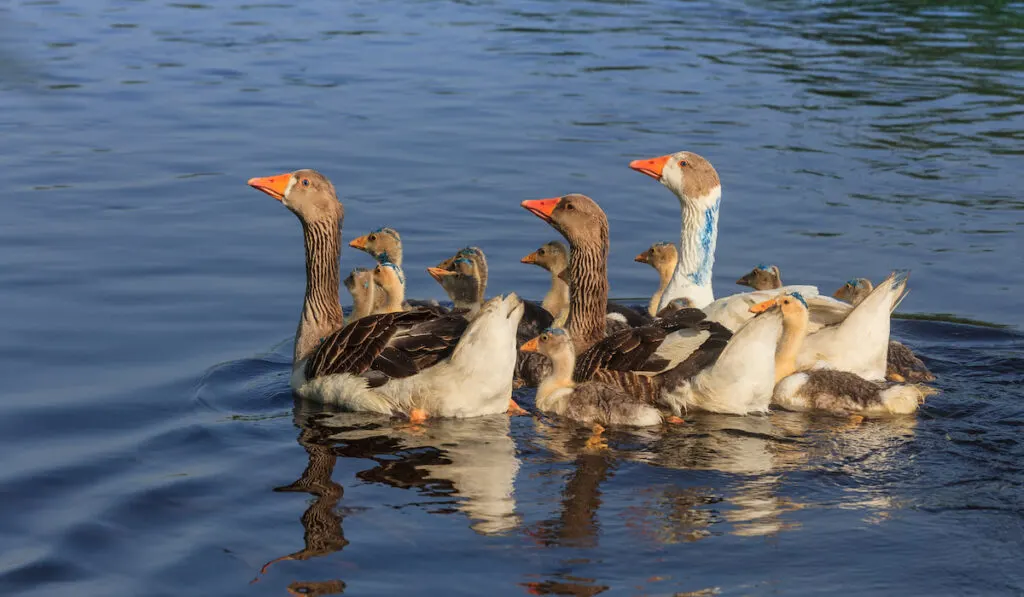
(607, 397)
(554, 257)
(839, 392)
(902, 365)
(383, 244)
(696, 184)
(584, 224)
(415, 363)
(662, 257)
(462, 277)
(763, 277)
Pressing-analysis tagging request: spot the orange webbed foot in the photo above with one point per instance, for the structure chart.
(514, 410)
(674, 420)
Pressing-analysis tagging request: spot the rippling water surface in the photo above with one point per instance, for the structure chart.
(153, 447)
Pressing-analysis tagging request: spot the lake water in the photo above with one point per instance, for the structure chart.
(152, 446)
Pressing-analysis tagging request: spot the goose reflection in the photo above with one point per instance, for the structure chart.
(321, 522)
(472, 459)
(757, 454)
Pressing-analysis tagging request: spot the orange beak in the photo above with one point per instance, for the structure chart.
(839, 294)
(541, 208)
(643, 257)
(272, 185)
(762, 307)
(438, 273)
(359, 243)
(531, 258)
(652, 167)
(531, 345)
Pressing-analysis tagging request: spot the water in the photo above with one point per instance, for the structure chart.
(153, 447)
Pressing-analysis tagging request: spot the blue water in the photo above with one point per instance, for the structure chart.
(149, 296)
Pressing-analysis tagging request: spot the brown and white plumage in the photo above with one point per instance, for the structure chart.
(397, 362)
(591, 401)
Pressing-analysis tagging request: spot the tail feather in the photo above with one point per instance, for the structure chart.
(705, 356)
(899, 279)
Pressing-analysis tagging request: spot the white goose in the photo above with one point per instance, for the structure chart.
(695, 183)
(416, 362)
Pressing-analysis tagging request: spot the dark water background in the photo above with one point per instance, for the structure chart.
(151, 445)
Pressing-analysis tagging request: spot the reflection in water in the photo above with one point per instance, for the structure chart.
(321, 522)
(473, 460)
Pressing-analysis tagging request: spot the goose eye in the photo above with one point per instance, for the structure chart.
(682, 163)
(569, 206)
(305, 182)
(540, 252)
(372, 237)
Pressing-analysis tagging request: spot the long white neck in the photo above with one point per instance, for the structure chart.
(697, 239)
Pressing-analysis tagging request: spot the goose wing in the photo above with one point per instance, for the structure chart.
(389, 345)
(631, 349)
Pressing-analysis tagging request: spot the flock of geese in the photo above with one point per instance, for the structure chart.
(591, 361)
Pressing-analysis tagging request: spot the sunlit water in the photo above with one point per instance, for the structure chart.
(153, 447)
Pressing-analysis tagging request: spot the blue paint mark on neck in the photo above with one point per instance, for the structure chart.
(702, 277)
(383, 257)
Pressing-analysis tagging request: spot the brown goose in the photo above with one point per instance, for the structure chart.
(840, 392)
(554, 257)
(663, 258)
(583, 223)
(414, 362)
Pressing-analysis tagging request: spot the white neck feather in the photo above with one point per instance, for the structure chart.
(697, 240)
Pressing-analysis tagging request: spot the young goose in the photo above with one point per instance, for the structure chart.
(383, 244)
(583, 223)
(413, 362)
(840, 392)
(554, 257)
(695, 183)
(902, 365)
(390, 280)
(365, 298)
(762, 277)
(663, 258)
(588, 402)
(461, 283)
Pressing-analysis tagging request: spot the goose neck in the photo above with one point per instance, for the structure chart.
(321, 309)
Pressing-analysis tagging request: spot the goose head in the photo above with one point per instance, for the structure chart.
(552, 343)
(476, 255)
(552, 256)
(661, 256)
(307, 193)
(461, 282)
(690, 176)
(383, 244)
(854, 291)
(793, 307)
(577, 217)
(762, 277)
